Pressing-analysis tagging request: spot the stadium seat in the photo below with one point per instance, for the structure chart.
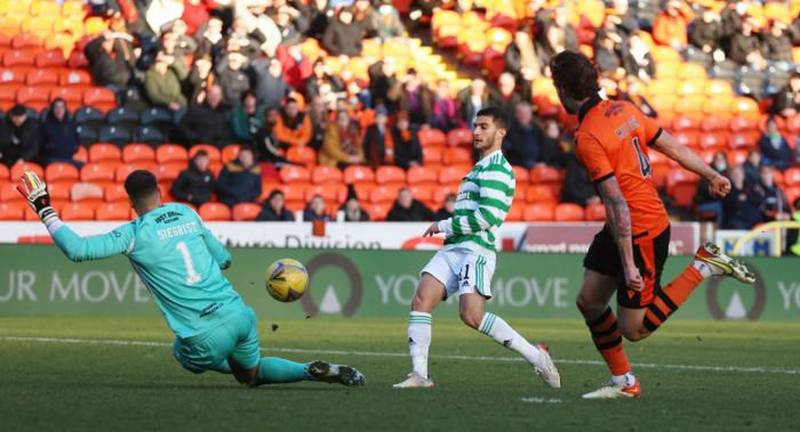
(89, 116)
(538, 194)
(75, 78)
(101, 173)
(741, 141)
(423, 192)
(432, 155)
(431, 138)
(50, 59)
(684, 123)
(9, 193)
(390, 175)
(13, 75)
(246, 212)
(86, 134)
(516, 212)
(122, 171)
(295, 192)
(743, 124)
(332, 193)
(681, 186)
(138, 153)
(746, 107)
(102, 152)
(19, 57)
(383, 194)
(356, 174)
(115, 134)
(714, 124)
(37, 97)
(596, 212)
(122, 116)
(115, 192)
(76, 211)
(168, 172)
(545, 174)
(295, 174)
(539, 212)
(421, 174)
(166, 153)
(86, 192)
(113, 211)
(77, 60)
(714, 141)
(457, 155)
(689, 139)
(326, 174)
(459, 137)
(19, 168)
(230, 152)
(453, 174)
(214, 212)
(100, 97)
(42, 77)
(521, 175)
(377, 211)
(568, 212)
(12, 211)
(213, 152)
(71, 96)
(156, 116)
(791, 177)
(4, 173)
(61, 171)
(302, 155)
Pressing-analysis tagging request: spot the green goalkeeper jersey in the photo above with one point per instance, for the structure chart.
(484, 198)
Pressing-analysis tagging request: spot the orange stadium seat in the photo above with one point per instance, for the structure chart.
(431, 138)
(86, 192)
(76, 211)
(4, 173)
(12, 211)
(521, 175)
(516, 212)
(296, 193)
(596, 212)
(246, 212)
(19, 168)
(100, 98)
(681, 186)
(60, 171)
(453, 174)
(138, 153)
(213, 152)
(714, 124)
(73, 77)
(685, 123)
(355, 174)
(459, 137)
(36, 97)
(432, 155)
(422, 175)
(19, 58)
(113, 211)
(13, 75)
(302, 155)
(27, 41)
(325, 174)
(457, 155)
(745, 107)
(295, 174)
(714, 141)
(539, 212)
(689, 139)
(50, 59)
(390, 175)
(99, 173)
(168, 172)
(77, 60)
(539, 194)
(378, 211)
(791, 177)
(423, 192)
(102, 152)
(9, 193)
(363, 190)
(742, 140)
(383, 194)
(166, 153)
(230, 152)
(214, 212)
(330, 192)
(545, 174)
(115, 192)
(73, 96)
(743, 124)
(568, 212)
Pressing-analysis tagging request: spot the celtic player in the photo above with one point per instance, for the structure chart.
(466, 263)
(181, 263)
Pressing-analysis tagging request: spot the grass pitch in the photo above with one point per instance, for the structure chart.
(718, 377)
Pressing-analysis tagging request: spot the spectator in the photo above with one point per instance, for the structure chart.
(775, 151)
(297, 68)
(787, 101)
(353, 211)
(743, 205)
(472, 99)
(637, 59)
(256, 19)
(59, 135)
(196, 183)
(706, 33)
(200, 77)
(416, 99)
(290, 23)
(670, 25)
(319, 15)
(315, 210)
(407, 149)
(384, 85)
(206, 120)
(195, 13)
(162, 82)
(111, 60)
(751, 167)
(521, 59)
(365, 16)
(623, 18)
(240, 179)
(322, 83)
(578, 187)
(408, 209)
(388, 22)
(522, 144)
(244, 41)
(732, 18)
(270, 86)
(342, 38)
(777, 43)
(506, 97)
(746, 47)
(556, 145)
(633, 94)
(246, 120)
(183, 43)
(776, 206)
(19, 137)
(274, 209)
(232, 78)
(340, 145)
(318, 114)
(374, 145)
(269, 149)
(606, 54)
(447, 210)
(445, 110)
(707, 204)
(209, 37)
(556, 35)
(159, 13)
(293, 127)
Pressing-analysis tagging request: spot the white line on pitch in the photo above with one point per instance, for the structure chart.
(122, 342)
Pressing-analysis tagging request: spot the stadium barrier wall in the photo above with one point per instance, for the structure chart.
(38, 279)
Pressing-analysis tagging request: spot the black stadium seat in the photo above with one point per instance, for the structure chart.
(87, 134)
(150, 135)
(90, 116)
(115, 134)
(156, 116)
(122, 116)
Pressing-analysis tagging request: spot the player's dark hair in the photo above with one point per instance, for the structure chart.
(499, 116)
(140, 184)
(574, 74)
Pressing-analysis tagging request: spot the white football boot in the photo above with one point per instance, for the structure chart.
(415, 380)
(547, 371)
(630, 388)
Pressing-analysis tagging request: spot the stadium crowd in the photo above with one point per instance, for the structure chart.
(277, 77)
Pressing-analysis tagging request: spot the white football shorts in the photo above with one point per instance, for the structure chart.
(462, 271)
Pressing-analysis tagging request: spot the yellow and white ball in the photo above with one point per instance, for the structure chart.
(286, 280)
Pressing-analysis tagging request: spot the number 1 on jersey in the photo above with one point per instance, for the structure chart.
(191, 275)
(644, 161)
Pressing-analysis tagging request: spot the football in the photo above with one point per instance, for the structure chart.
(286, 280)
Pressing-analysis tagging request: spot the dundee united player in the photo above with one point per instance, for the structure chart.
(465, 265)
(628, 255)
(181, 263)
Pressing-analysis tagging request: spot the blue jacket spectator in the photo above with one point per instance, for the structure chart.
(523, 142)
(240, 180)
(315, 211)
(743, 205)
(19, 137)
(274, 209)
(60, 139)
(775, 151)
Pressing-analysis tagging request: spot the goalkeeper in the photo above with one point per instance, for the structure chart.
(181, 263)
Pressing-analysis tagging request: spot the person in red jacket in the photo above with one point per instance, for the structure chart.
(669, 27)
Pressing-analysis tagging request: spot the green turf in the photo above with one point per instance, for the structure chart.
(61, 386)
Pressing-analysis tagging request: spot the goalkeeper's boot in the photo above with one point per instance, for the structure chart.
(415, 380)
(723, 265)
(336, 373)
(547, 370)
(629, 387)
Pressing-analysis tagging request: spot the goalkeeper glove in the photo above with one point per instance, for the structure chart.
(35, 191)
